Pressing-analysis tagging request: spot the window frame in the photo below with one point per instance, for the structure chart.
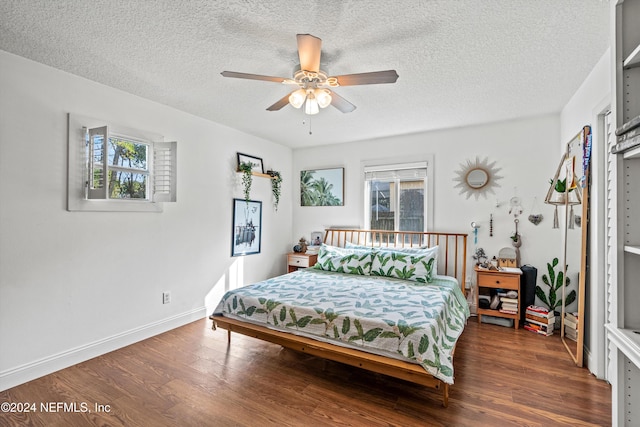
(102, 193)
(396, 164)
(78, 169)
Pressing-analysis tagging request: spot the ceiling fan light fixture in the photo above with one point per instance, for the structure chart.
(323, 97)
(314, 86)
(311, 106)
(297, 98)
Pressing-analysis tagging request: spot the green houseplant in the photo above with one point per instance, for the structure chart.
(552, 298)
(247, 179)
(561, 185)
(276, 183)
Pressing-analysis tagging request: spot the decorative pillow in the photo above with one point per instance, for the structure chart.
(421, 250)
(418, 265)
(342, 260)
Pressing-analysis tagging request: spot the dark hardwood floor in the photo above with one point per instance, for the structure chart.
(190, 377)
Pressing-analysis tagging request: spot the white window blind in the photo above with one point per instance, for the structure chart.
(97, 170)
(402, 171)
(164, 171)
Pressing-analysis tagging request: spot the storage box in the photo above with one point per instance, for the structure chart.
(500, 321)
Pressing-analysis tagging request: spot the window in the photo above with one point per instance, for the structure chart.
(396, 197)
(115, 169)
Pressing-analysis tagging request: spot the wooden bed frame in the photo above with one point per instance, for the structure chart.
(452, 257)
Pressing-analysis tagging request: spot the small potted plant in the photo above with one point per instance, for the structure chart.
(247, 179)
(480, 256)
(561, 188)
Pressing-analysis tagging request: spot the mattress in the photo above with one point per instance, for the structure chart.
(392, 317)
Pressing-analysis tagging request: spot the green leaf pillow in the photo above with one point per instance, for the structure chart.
(341, 260)
(415, 265)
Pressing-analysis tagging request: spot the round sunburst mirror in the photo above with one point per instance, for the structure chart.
(477, 178)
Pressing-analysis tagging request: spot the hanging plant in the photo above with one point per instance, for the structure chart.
(247, 179)
(561, 185)
(276, 183)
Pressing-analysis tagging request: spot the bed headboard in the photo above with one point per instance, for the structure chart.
(452, 247)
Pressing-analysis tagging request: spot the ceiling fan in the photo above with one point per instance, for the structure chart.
(313, 86)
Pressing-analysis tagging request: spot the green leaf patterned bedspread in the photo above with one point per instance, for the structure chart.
(419, 322)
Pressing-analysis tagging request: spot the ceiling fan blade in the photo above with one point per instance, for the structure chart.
(280, 103)
(254, 77)
(341, 104)
(375, 77)
(309, 50)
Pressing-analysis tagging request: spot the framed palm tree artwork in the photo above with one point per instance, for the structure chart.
(322, 187)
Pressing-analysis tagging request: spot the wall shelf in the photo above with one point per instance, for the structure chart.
(632, 60)
(632, 249)
(634, 153)
(261, 175)
(627, 341)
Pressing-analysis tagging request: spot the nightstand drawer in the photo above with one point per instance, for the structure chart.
(495, 280)
(299, 260)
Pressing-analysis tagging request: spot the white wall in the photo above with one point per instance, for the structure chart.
(77, 284)
(590, 101)
(526, 150)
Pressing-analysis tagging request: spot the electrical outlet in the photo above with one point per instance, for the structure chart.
(166, 297)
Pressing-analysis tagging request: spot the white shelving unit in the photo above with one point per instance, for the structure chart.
(624, 322)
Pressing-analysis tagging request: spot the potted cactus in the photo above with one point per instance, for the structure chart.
(552, 297)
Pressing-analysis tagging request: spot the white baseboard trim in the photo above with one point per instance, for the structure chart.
(47, 365)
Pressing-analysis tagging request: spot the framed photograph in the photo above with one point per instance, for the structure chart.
(316, 238)
(322, 187)
(256, 162)
(247, 227)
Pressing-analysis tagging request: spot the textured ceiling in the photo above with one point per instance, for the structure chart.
(460, 62)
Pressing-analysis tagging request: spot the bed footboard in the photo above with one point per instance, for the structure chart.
(371, 362)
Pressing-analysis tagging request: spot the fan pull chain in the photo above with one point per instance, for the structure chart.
(304, 122)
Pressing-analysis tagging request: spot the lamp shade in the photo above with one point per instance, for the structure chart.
(311, 106)
(296, 99)
(323, 97)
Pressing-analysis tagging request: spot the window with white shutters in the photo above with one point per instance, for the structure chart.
(118, 169)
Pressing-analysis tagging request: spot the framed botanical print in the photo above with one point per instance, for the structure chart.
(322, 187)
(247, 227)
(256, 162)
